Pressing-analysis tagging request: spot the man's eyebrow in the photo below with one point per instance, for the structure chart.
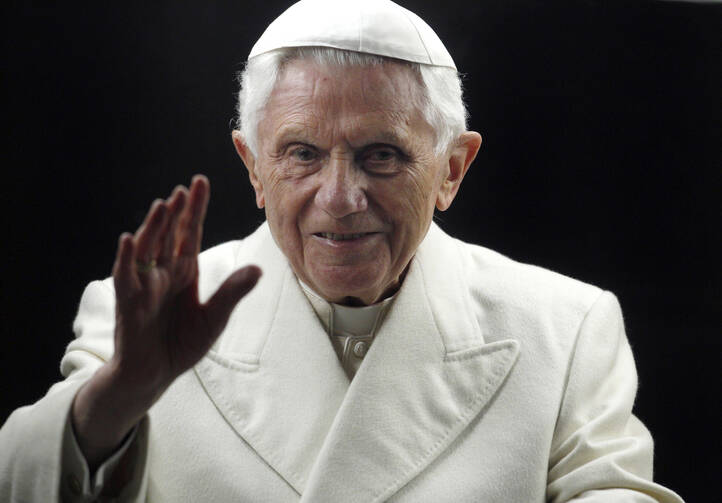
(383, 136)
(296, 132)
(387, 137)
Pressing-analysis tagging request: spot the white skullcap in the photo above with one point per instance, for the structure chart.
(372, 26)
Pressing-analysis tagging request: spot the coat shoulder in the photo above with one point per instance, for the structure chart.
(502, 280)
(523, 295)
(503, 276)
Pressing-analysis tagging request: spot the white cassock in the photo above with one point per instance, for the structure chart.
(487, 380)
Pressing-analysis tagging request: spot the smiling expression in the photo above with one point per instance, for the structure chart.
(347, 174)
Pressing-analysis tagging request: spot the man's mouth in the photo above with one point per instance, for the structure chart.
(342, 237)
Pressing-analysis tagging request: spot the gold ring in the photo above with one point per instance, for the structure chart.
(144, 267)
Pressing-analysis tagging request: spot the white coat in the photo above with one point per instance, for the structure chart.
(489, 381)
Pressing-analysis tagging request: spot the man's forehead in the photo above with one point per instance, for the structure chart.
(313, 102)
(389, 85)
(357, 134)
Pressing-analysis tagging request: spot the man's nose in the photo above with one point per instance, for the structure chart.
(342, 190)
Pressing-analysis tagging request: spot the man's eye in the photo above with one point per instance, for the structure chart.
(382, 160)
(381, 155)
(303, 154)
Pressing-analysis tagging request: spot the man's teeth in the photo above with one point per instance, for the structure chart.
(341, 237)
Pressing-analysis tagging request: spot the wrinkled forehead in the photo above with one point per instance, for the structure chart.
(384, 84)
(315, 102)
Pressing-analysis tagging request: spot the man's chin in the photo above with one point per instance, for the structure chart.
(347, 285)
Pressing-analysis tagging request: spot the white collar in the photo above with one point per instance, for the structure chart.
(338, 319)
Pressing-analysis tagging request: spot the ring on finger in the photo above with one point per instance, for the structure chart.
(144, 267)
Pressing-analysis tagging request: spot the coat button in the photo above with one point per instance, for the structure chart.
(74, 485)
(360, 348)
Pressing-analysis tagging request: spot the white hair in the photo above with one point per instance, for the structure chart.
(441, 99)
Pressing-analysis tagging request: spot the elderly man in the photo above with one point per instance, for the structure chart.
(377, 358)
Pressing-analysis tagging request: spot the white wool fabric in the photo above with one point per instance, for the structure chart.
(489, 380)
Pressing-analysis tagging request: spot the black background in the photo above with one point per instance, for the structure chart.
(601, 160)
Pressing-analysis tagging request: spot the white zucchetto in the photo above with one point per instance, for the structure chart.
(378, 27)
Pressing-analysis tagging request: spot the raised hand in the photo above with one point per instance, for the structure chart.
(161, 329)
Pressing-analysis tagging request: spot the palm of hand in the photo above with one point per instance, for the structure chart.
(162, 329)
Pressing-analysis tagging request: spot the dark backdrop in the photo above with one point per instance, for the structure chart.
(601, 160)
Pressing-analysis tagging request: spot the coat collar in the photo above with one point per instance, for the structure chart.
(276, 379)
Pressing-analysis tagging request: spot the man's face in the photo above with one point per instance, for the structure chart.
(347, 174)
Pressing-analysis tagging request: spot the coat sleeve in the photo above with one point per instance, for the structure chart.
(39, 461)
(601, 452)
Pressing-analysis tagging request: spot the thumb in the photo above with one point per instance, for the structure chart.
(234, 288)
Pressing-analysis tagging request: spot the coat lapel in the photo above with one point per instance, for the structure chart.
(276, 379)
(274, 375)
(426, 376)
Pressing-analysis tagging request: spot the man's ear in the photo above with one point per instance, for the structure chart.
(250, 161)
(460, 158)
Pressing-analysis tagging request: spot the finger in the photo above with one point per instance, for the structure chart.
(194, 216)
(124, 277)
(147, 236)
(176, 203)
(219, 307)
